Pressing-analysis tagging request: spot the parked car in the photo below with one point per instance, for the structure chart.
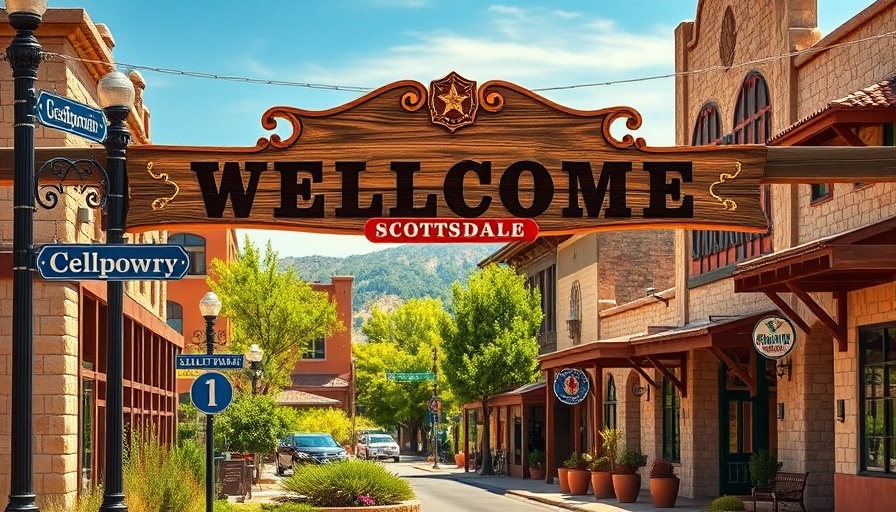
(307, 448)
(377, 446)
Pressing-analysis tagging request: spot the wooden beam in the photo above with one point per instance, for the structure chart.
(744, 375)
(829, 164)
(788, 311)
(837, 330)
(637, 366)
(681, 387)
(842, 312)
(850, 138)
(549, 455)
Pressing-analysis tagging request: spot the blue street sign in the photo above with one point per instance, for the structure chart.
(124, 262)
(211, 393)
(209, 362)
(71, 116)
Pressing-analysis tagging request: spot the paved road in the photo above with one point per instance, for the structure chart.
(439, 494)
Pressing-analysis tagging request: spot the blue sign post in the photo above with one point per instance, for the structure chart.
(211, 393)
(125, 262)
(71, 116)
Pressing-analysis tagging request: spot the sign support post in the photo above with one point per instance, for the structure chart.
(435, 404)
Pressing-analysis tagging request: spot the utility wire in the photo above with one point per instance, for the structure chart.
(352, 88)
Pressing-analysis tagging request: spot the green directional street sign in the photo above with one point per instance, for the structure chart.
(409, 377)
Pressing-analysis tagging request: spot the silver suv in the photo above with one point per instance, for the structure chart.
(377, 446)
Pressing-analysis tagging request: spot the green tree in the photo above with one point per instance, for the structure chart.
(273, 308)
(490, 345)
(400, 341)
(253, 424)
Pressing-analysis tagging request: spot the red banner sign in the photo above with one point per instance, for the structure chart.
(434, 230)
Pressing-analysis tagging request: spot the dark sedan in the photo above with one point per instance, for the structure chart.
(305, 448)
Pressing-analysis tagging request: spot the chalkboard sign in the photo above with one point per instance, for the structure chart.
(232, 477)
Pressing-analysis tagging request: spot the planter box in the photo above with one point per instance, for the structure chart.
(407, 506)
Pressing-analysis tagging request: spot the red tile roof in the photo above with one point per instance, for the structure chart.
(295, 397)
(879, 95)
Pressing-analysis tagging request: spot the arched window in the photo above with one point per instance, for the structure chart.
(708, 126)
(712, 250)
(610, 404)
(174, 315)
(195, 247)
(752, 112)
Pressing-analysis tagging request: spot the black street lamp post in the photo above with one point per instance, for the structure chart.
(435, 423)
(24, 55)
(210, 306)
(254, 356)
(116, 95)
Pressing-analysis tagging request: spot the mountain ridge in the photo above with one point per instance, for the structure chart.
(390, 277)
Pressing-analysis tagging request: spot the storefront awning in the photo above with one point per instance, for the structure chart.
(527, 394)
(723, 336)
(849, 261)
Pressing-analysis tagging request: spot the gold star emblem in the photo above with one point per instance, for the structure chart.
(453, 101)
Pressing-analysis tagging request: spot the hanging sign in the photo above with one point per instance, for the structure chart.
(465, 164)
(571, 386)
(774, 337)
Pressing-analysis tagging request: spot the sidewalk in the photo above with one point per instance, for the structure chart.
(550, 494)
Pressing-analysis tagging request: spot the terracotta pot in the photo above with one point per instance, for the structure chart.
(664, 491)
(459, 459)
(579, 481)
(536, 473)
(627, 487)
(602, 483)
(563, 473)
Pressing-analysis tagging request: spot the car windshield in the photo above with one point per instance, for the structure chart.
(315, 442)
(380, 439)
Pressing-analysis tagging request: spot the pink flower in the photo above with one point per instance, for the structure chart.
(366, 500)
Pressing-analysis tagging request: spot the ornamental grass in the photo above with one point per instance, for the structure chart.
(352, 483)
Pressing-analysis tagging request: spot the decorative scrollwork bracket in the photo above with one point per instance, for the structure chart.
(89, 177)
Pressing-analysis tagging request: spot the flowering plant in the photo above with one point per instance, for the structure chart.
(365, 500)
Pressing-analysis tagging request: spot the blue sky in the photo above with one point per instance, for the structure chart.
(366, 44)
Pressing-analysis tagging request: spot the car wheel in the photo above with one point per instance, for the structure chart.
(396, 459)
(280, 469)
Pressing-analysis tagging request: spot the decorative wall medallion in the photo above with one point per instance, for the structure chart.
(774, 337)
(571, 386)
(728, 38)
(452, 101)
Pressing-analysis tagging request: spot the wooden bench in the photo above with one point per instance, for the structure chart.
(787, 488)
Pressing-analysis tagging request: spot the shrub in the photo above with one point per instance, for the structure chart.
(578, 462)
(629, 461)
(89, 501)
(327, 420)
(536, 459)
(662, 468)
(287, 507)
(346, 484)
(602, 463)
(726, 504)
(764, 466)
(158, 478)
(610, 444)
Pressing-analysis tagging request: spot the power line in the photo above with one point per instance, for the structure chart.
(352, 88)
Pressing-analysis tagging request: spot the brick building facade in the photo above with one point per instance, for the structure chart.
(759, 73)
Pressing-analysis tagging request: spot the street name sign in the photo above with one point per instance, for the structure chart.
(120, 262)
(409, 377)
(211, 393)
(209, 362)
(71, 116)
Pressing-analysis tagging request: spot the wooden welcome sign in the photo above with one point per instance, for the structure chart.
(450, 151)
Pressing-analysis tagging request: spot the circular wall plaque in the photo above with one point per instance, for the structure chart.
(571, 386)
(774, 337)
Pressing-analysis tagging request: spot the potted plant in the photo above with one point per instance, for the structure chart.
(663, 484)
(602, 477)
(764, 467)
(563, 472)
(578, 476)
(602, 466)
(626, 479)
(536, 464)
